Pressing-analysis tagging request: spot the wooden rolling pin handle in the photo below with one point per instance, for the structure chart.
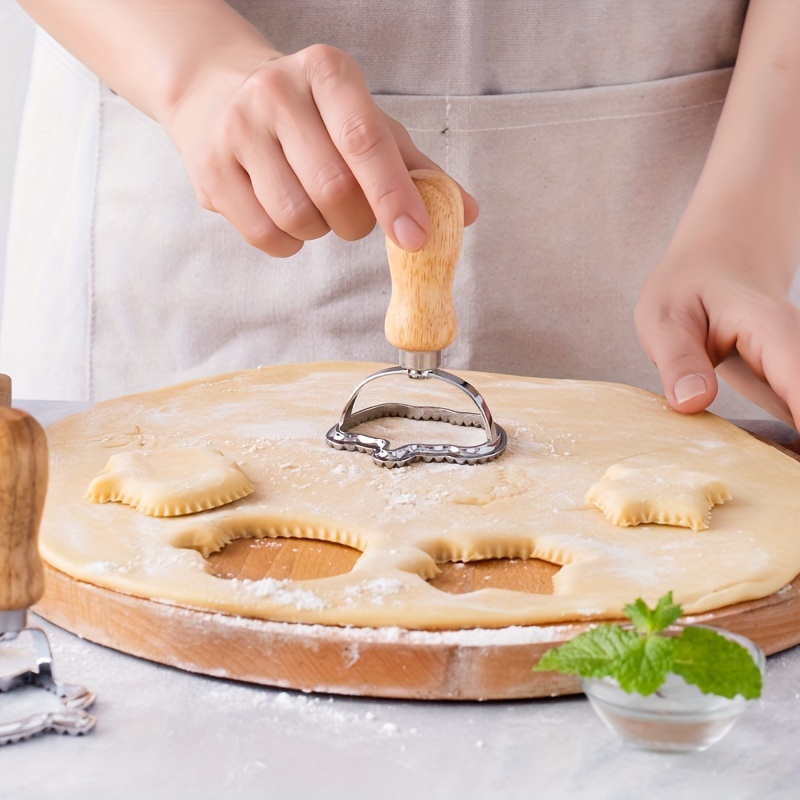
(421, 316)
(5, 390)
(23, 483)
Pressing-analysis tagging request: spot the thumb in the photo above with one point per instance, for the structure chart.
(677, 348)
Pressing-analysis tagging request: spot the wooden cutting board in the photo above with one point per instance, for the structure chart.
(477, 664)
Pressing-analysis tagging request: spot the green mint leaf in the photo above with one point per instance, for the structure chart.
(639, 614)
(715, 664)
(647, 620)
(592, 654)
(665, 613)
(644, 667)
(638, 663)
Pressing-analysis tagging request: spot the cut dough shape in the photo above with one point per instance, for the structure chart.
(562, 436)
(170, 482)
(664, 494)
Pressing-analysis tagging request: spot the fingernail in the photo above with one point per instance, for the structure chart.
(408, 234)
(689, 387)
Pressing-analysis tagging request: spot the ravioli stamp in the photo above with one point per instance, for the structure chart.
(665, 495)
(170, 482)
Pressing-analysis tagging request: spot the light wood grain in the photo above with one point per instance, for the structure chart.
(421, 316)
(23, 483)
(461, 665)
(282, 559)
(307, 559)
(5, 390)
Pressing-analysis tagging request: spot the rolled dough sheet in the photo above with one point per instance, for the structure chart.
(529, 503)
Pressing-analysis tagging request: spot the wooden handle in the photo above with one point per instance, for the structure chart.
(421, 316)
(5, 390)
(23, 483)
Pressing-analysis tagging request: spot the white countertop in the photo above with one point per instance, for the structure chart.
(168, 734)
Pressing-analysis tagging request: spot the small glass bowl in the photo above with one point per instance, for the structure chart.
(678, 717)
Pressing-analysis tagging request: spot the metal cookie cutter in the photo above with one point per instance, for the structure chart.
(71, 718)
(421, 322)
(23, 483)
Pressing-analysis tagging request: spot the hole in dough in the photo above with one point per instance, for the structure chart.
(253, 545)
(282, 559)
(531, 575)
(476, 564)
(169, 482)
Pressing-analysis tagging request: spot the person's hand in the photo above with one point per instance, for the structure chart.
(296, 146)
(714, 306)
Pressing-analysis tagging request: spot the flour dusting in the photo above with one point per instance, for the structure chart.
(282, 593)
(375, 591)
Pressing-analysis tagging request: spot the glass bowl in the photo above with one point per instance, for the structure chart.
(678, 717)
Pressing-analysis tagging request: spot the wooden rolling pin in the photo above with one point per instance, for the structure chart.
(421, 317)
(23, 484)
(5, 390)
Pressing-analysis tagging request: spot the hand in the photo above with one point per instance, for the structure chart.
(294, 147)
(711, 306)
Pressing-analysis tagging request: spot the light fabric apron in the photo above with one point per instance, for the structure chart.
(580, 126)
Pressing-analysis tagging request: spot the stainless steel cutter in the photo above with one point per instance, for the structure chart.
(23, 483)
(421, 322)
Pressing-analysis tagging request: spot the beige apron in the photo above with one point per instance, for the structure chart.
(580, 126)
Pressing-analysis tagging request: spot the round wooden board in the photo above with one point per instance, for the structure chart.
(478, 664)
(448, 665)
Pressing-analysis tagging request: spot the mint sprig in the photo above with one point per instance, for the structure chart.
(640, 657)
(653, 620)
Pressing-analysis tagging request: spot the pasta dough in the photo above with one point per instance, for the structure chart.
(666, 495)
(170, 482)
(529, 503)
